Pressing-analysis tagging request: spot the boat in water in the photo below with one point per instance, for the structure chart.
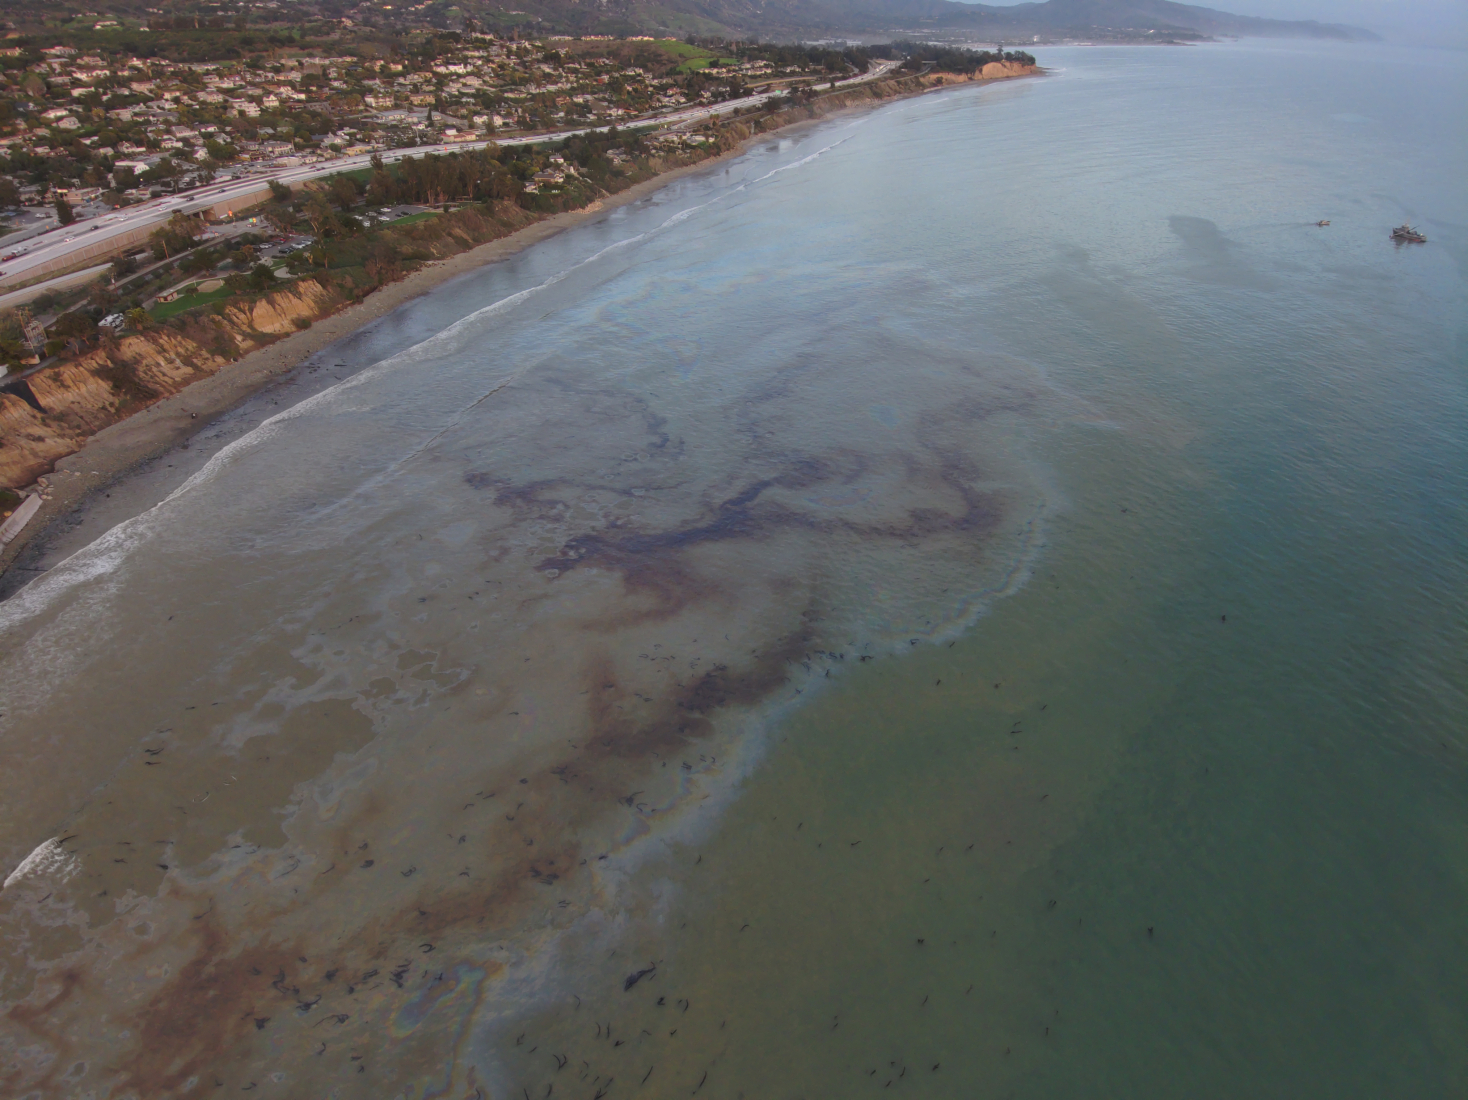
(1407, 233)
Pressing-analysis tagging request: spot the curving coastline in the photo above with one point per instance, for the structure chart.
(310, 318)
(378, 805)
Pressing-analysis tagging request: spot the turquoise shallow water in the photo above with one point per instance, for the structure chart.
(967, 599)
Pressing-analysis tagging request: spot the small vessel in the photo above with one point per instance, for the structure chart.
(1407, 233)
(1323, 222)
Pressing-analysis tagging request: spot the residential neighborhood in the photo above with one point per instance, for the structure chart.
(83, 132)
(164, 214)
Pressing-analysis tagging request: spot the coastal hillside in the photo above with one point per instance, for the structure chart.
(1160, 15)
(784, 20)
(1108, 20)
(97, 376)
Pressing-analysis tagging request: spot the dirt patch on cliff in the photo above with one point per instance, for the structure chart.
(121, 377)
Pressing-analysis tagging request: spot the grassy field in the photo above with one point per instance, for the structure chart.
(680, 49)
(165, 310)
(361, 175)
(410, 219)
(695, 63)
(694, 57)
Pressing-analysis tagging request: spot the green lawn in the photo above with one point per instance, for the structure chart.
(361, 175)
(410, 219)
(694, 57)
(681, 49)
(165, 310)
(693, 64)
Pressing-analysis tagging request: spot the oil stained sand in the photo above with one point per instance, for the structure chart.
(386, 703)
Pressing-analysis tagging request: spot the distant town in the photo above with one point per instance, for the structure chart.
(88, 131)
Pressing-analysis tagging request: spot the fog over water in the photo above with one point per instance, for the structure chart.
(966, 598)
(1434, 23)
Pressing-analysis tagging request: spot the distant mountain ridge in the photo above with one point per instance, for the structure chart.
(1129, 20)
(1160, 14)
(785, 20)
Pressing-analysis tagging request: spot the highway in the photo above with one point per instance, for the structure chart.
(58, 244)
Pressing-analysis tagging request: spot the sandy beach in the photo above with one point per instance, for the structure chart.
(118, 474)
(131, 445)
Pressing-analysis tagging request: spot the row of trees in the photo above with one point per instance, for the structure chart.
(473, 175)
(486, 176)
(178, 234)
(949, 59)
(853, 58)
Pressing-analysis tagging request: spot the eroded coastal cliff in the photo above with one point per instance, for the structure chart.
(52, 413)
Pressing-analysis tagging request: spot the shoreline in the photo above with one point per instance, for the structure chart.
(118, 452)
(127, 447)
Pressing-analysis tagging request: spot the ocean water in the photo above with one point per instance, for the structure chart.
(967, 598)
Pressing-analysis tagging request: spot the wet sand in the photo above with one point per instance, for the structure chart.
(79, 480)
(128, 445)
(382, 715)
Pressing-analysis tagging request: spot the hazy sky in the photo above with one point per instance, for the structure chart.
(1440, 22)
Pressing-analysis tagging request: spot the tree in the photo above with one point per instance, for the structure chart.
(165, 169)
(281, 191)
(282, 217)
(102, 297)
(344, 192)
(75, 327)
(380, 188)
(178, 234)
(383, 265)
(504, 186)
(9, 193)
(322, 220)
(63, 211)
(14, 348)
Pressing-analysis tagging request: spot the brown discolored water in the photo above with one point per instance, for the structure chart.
(370, 723)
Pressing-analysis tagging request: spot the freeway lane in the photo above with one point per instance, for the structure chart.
(50, 251)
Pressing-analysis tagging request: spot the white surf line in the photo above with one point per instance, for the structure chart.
(49, 860)
(458, 417)
(91, 562)
(801, 162)
(103, 556)
(106, 553)
(416, 353)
